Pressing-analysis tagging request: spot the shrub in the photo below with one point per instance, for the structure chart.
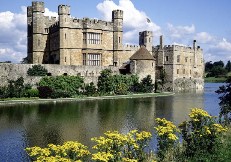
(90, 89)
(37, 70)
(66, 85)
(45, 92)
(121, 147)
(32, 93)
(166, 137)
(69, 151)
(60, 94)
(201, 133)
(105, 82)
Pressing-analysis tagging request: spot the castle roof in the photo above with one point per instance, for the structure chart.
(142, 54)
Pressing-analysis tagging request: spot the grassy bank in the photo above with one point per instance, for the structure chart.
(215, 80)
(11, 101)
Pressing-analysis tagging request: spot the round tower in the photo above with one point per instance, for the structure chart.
(117, 19)
(38, 25)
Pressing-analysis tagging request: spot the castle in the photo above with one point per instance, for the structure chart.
(91, 42)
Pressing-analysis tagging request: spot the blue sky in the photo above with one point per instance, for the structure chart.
(180, 21)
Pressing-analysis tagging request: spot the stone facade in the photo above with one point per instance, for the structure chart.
(91, 44)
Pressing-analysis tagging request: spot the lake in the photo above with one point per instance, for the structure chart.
(27, 125)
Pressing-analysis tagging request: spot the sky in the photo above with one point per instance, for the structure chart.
(179, 21)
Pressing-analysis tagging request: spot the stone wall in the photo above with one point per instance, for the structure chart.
(14, 71)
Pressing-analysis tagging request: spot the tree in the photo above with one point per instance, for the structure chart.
(225, 101)
(163, 76)
(105, 81)
(219, 63)
(208, 66)
(228, 66)
(217, 71)
(37, 70)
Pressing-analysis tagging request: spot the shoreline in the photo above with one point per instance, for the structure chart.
(61, 100)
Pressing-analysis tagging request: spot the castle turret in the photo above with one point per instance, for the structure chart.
(29, 34)
(117, 19)
(64, 24)
(145, 39)
(195, 52)
(38, 28)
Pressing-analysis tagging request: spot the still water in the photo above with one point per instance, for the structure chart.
(39, 124)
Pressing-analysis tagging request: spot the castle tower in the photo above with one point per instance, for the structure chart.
(145, 39)
(117, 19)
(29, 34)
(38, 24)
(195, 52)
(64, 24)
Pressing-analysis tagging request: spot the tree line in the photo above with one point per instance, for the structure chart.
(217, 69)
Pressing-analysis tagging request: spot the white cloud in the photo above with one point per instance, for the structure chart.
(135, 21)
(178, 32)
(50, 13)
(13, 34)
(204, 37)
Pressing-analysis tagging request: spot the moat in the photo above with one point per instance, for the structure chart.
(39, 124)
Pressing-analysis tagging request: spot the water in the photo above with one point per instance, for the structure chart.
(39, 124)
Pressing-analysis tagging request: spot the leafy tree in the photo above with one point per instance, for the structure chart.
(228, 66)
(219, 63)
(163, 76)
(208, 66)
(37, 70)
(217, 71)
(45, 92)
(225, 101)
(105, 81)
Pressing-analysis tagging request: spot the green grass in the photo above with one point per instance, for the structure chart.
(215, 80)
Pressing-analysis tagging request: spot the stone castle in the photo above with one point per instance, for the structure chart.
(90, 42)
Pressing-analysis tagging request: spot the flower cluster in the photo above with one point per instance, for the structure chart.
(121, 147)
(68, 151)
(201, 132)
(166, 129)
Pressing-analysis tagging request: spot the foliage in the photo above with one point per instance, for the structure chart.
(105, 82)
(45, 92)
(37, 70)
(31, 93)
(228, 66)
(201, 133)
(146, 85)
(90, 89)
(225, 101)
(69, 151)
(121, 147)
(66, 86)
(216, 69)
(166, 136)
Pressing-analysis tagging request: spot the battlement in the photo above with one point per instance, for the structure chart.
(64, 10)
(128, 47)
(117, 14)
(38, 6)
(29, 11)
(146, 33)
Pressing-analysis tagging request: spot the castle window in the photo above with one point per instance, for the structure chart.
(65, 59)
(166, 58)
(184, 71)
(178, 58)
(92, 59)
(177, 71)
(65, 36)
(92, 38)
(149, 40)
(190, 71)
(39, 42)
(119, 39)
(186, 59)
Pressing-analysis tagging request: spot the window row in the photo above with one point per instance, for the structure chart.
(92, 38)
(92, 59)
(184, 71)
